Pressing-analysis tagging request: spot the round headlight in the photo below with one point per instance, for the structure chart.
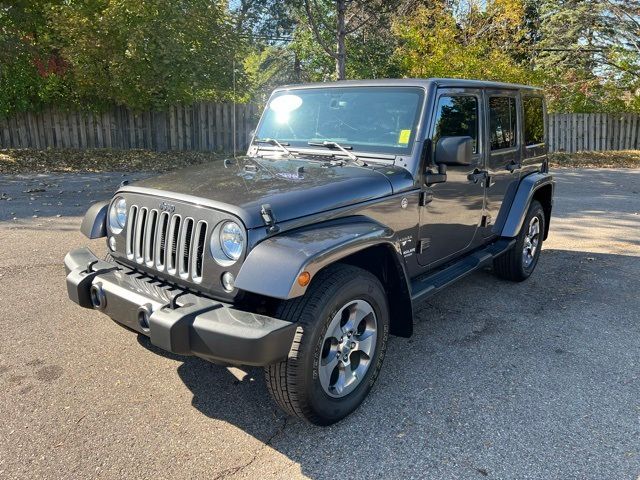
(118, 215)
(231, 240)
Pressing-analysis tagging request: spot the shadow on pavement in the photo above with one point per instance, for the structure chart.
(536, 379)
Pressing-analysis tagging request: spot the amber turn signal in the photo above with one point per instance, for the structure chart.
(304, 278)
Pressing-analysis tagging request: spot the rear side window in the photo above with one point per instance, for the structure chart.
(533, 120)
(502, 122)
(457, 116)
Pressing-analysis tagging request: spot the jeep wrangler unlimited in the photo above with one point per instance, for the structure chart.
(354, 201)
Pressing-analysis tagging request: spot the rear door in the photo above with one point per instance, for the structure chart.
(504, 156)
(534, 144)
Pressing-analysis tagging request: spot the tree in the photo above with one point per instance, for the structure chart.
(588, 53)
(464, 40)
(32, 72)
(145, 54)
(349, 17)
(265, 21)
(152, 53)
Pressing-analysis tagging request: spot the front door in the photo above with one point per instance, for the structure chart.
(450, 219)
(504, 156)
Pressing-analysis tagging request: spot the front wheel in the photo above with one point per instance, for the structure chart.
(338, 348)
(520, 261)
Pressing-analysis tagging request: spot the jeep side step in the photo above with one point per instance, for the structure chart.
(430, 283)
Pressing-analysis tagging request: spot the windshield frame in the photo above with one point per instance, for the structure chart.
(370, 153)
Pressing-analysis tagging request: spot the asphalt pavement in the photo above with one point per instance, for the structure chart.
(535, 380)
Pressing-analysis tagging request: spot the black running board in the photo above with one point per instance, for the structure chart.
(426, 285)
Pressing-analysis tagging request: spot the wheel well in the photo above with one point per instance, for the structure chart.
(544, 195)
(382, 261)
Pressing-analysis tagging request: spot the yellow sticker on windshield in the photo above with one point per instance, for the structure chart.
(404, 136)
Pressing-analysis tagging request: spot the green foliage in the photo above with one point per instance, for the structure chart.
(436, 43)
(589, 54)
(269, 68)
(152, 53)
(30, 75)
(145, 54)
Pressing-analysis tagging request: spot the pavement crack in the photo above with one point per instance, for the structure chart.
(77, 422)
(239, 468)
(30, 266)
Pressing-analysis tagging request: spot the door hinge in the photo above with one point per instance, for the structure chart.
(423, 245)
(488, 181)
(426, 197)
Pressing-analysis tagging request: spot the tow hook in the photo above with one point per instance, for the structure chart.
(144, 312)
(98, 298)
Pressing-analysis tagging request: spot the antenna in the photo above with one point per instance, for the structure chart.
(233, 129)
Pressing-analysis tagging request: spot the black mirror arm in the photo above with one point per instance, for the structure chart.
(431, 178)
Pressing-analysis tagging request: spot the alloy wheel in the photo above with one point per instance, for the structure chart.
(531, 242)
(348, 348)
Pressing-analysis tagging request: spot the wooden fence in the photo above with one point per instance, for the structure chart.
(209, 127)
(576, 132)
(202, 126)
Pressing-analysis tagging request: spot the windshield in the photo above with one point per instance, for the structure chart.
(367, 119)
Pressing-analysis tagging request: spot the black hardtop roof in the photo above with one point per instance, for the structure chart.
(414, 82)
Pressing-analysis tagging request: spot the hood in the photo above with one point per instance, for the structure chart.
(293, 187)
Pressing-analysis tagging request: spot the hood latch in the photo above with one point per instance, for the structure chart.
(268, 218)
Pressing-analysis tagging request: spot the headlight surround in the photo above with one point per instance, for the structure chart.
(118, 215)
(227, 243)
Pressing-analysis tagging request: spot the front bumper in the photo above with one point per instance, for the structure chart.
(176, 320)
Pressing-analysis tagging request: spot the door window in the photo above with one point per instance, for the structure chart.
(502, 122)
(457, 116)
(533, 120)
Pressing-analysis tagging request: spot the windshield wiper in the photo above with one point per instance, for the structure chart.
(331, 144)
(275, 143)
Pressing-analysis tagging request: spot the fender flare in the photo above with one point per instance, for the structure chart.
(273, 266)
(94, 223)
(509, 222)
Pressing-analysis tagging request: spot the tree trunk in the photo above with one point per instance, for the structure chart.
(341, 54)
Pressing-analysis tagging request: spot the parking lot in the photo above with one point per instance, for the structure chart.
(533, 380)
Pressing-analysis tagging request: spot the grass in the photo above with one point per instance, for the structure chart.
(611, 159)
(18, 161)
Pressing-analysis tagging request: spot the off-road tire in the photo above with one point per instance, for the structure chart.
(510, 265)
(294, 383)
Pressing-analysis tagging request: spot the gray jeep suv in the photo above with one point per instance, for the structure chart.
(355, 201)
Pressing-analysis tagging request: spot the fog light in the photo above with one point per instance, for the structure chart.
(228, 281)
(112, 243)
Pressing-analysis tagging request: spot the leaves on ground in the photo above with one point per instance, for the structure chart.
(20, 161)
(610, 159)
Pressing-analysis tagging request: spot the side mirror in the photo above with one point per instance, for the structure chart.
(454, 151)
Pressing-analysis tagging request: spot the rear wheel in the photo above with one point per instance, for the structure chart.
(520, 261)
(337, 352)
